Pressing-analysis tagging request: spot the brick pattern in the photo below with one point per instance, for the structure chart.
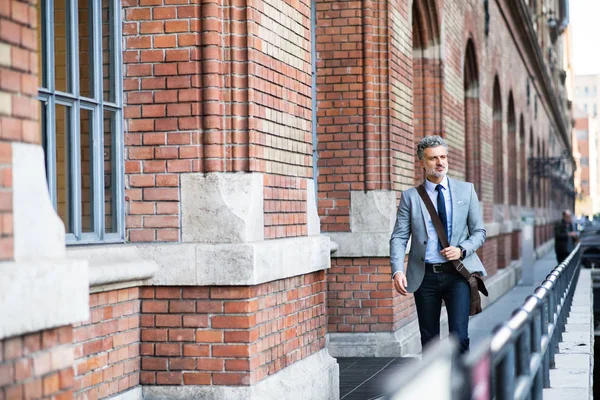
(163, 106)
(37, 366)
(512, 153)
(107, 346)
(360, 297)
(230, 335)
(18, 105)
(202, 97)
(340, 118)
(279, 96)
(285, 207)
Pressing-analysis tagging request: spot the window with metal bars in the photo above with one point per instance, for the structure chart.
(81, 102)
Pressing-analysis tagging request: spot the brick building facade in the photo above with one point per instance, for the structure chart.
(196, 196)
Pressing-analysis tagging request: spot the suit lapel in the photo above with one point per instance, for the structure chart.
(454, 200)
(424, 211)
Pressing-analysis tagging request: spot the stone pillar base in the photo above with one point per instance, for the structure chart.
(315, 377)
(406, 341)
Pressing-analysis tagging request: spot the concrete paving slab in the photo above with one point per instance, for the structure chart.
(568, 378)
(573, 362)
(574, 347)
(566, 394)
(573, 327)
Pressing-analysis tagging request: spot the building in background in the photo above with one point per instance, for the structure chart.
(587, 202)
(587, 101)
(196, 197)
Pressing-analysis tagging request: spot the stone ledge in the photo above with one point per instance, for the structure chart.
(238, 263)
(316, 377)
(42, 294)
(406, 341)
(133, 394)
(114, 264)
(361, 244)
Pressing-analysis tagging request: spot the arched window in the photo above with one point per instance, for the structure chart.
(522, 149)
(511, 124)
(471, 110)
(427, 99)
(498, 163)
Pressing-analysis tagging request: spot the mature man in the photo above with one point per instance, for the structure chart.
(430, 274)
(564, 236)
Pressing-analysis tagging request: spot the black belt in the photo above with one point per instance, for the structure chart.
(439, 268)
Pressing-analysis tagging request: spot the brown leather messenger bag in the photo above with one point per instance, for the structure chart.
(476, 284)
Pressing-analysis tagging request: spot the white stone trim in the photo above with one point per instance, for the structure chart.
(222, 208)
(38, 231)
(406, 341)
(361, 244)
(113, 264)
(238, 263)
(132, 394)
(41, 289)
(372, 211)
(316, 378)
(42, 294)
(313, 222)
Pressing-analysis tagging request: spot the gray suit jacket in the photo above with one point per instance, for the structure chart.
(467, 231)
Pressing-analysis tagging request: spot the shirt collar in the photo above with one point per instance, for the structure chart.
(431, 186)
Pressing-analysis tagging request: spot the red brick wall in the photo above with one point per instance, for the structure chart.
(201, 97)
(360, 297)
(18, 106)
(37, 365)
(107, 346)
(230, 335)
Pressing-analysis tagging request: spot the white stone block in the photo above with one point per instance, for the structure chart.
(41, 295)
(372, 211)
(38, 231)
(222, 208)
(316, 378)
(313, 221)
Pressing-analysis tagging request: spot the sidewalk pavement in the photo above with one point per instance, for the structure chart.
(482, 325)
(574, 373)
(361, 377)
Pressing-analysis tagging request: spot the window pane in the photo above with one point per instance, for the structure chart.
(61, 46)
(107, 51)
(87, 170)
(44, 129)
(110, 223)
(85, 51)
(41, 42)
(63, 167)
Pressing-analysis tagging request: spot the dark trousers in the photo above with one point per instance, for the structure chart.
(561, 255)
(453, 289)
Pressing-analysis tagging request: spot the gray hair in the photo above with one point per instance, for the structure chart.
(430, 141)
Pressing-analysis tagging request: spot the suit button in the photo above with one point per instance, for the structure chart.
(425, 242)
(422, 259)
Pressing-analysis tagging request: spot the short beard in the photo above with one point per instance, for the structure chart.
(433, 172)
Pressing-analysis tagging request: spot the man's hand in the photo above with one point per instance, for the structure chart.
(400, 283)
(574, 234)
(451, 253)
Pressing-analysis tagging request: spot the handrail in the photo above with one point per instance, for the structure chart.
(515, 361)
(522, 349)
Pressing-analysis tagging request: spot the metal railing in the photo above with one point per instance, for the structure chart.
(515, 361)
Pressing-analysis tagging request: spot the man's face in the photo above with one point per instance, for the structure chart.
(435, 161)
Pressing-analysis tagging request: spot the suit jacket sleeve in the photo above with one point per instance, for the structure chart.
(477, 232)
(400, 236)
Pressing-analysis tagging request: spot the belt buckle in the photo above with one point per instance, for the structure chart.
(435, 268)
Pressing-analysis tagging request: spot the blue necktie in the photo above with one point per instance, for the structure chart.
(441, 209)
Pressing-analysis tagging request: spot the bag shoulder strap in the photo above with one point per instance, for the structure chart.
(437, 223)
